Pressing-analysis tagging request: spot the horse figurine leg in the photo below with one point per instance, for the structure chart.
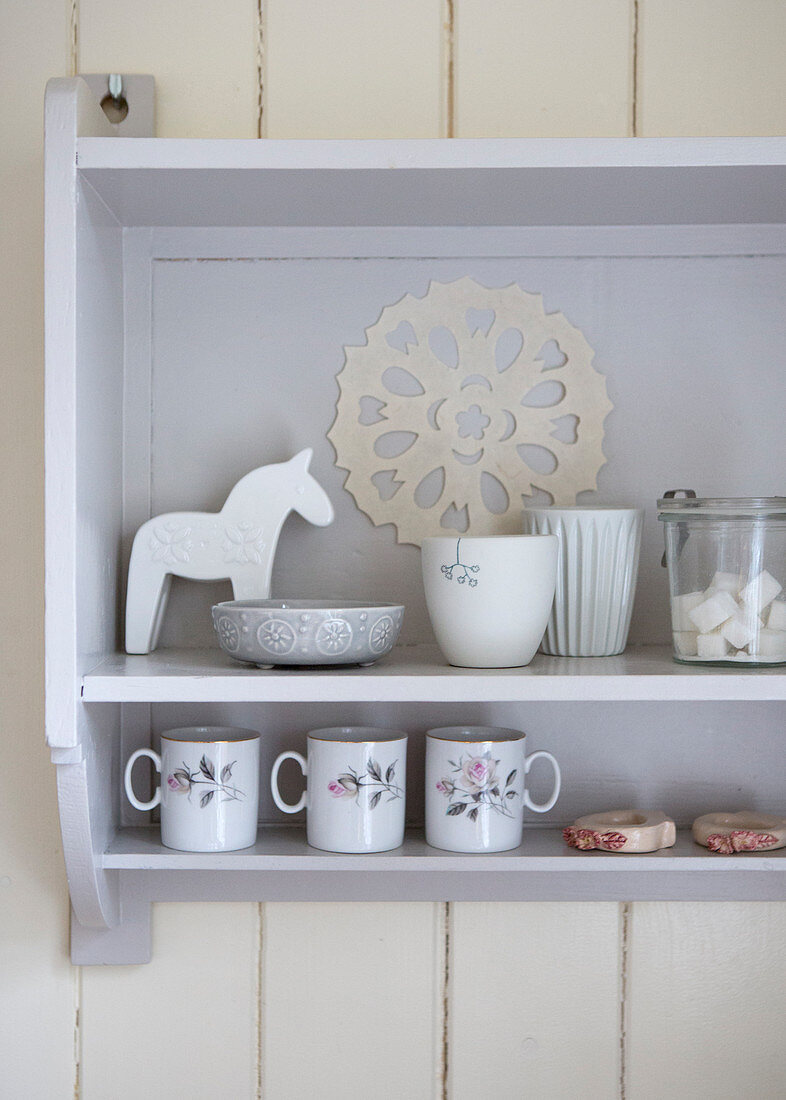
(148, 590)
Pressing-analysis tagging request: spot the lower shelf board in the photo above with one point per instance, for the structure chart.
(281, 866)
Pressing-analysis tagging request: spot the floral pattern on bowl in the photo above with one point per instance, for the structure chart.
(306, 632)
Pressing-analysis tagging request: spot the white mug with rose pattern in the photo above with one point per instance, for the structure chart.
(475, 788)
(355, 788)
(209, 792)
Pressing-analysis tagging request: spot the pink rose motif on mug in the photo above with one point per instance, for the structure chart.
(476, 788)
(350, 783)
(209, 788)
(355, 788)
(183, 780)
(476, 784)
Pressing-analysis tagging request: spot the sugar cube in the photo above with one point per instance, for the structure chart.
(761, 591)
(776, 620)
(741, 628)
(726, 582)
(685, 643)
(769, 643)
(712, 612)
(712, 646)
(680, 606)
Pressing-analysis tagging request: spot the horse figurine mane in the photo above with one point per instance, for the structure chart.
(238, 543)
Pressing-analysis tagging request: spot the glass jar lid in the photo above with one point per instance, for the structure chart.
(670, 505)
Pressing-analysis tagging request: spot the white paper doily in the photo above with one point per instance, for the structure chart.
(463, 402)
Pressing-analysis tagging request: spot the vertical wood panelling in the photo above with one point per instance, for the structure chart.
(37, 984)
(185, 1023)
(707, 1001)
(351, 1001)
(543, 68)
(353, 68)
(711, 67)
(534, 1001)
(194, 1008)
(202, 54)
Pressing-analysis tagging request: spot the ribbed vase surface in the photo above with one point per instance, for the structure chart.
(596, 577)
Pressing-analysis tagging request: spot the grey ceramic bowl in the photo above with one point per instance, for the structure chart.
(307, 632)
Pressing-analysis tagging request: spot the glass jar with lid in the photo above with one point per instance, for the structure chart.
(726, 558)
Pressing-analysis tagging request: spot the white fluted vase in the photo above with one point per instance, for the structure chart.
(596, 577)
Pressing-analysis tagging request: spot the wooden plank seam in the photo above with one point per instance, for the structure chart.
(626, 914)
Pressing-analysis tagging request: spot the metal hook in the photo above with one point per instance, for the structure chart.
(114, 104)
(116, 86)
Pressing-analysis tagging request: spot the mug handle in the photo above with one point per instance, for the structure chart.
(541, 807)
(154, 801)
(287, 807)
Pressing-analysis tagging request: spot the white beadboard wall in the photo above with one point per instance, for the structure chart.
(553, 1001)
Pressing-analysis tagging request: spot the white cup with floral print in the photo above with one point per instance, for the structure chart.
(209, 791)
(355, 788)
(489, 597)
(475, 788)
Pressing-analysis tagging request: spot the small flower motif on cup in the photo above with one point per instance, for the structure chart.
(350, 784)
(479, 772)
(228, 633)
(476, 786)
(184, 781)
(333, 637)
(345, 785)
(179, 781)
(467, 570)
(243, 543)
(276, 636)
(171, 544)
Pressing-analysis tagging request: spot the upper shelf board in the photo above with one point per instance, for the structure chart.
(419, 674)
(438, 182)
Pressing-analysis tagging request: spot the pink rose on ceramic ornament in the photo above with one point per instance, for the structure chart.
(745, 840)
(479, 773)
(446, 787)
(585, 839)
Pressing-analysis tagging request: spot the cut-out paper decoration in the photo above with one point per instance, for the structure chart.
(463, 404)
(238, 543)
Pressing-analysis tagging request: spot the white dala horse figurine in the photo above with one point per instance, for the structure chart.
(238, 543)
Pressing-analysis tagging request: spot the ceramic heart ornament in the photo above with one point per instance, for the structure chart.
(622, 831)
(746, 831)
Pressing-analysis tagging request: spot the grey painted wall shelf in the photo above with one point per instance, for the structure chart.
(199, 295)
(419, 672)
